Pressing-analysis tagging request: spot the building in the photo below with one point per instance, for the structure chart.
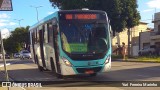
(134, 38)
(152, 38)
(155, 35)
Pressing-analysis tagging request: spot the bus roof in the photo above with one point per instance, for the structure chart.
(79, 10)
(62, 11)
(44, 20)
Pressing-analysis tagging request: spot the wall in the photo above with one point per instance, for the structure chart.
(144, 38)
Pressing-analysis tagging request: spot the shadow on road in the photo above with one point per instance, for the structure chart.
(109, 78)
(117, 75)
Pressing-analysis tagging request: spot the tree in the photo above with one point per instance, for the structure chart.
(18, 39)
(131, 17)
(122, 13)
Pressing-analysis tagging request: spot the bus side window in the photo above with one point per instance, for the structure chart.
(40, 29)
(33, 37)
(50, 32)
(55, 29)
(45, 33)
(35, 34)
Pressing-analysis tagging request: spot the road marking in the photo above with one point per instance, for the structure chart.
(6, 65)
(143, 76)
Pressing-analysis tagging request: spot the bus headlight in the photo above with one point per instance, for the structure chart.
(107, 60)
(67, 63)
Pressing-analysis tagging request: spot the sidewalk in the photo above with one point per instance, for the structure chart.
(8, 62)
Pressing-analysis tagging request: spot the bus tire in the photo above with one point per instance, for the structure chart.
(93, 74)
(40, 68)
(52, 66)
(59, 76)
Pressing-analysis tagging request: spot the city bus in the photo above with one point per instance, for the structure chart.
(72, 42)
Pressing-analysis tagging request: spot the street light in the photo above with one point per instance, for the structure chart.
(36, 7)
(19, 21)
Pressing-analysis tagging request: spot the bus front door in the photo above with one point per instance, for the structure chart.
(41, 37)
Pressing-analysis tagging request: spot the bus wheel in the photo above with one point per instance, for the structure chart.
(52, 66)
(93, 74)
(40, 68)
(59, 76)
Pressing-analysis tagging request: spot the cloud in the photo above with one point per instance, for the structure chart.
(148, 10)
(154, 4)
(4, 20)
(4, 15)
(12, 23)
(4, 23)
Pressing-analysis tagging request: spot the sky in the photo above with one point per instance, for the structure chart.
(147, 8)
(22, 10)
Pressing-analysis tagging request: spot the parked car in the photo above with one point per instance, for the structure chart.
(25, 54)
(16, 55)
(7, 56)
(147, 51)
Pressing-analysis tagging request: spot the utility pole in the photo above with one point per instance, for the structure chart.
(4, 61)
(36, 7)
(19, 21)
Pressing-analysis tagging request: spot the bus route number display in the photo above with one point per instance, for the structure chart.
(81, 16)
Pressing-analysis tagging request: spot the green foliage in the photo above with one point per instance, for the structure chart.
(16, 41)
(122, 13)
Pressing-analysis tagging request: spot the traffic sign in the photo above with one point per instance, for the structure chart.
(6, 5)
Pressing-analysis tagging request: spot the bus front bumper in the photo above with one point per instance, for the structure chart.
(66, 70)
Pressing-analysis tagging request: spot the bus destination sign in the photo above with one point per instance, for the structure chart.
(81, 16)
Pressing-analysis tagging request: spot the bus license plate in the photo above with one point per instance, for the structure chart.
(89, 71)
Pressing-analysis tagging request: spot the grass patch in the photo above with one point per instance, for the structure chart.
(139, 59)
(149, 58)
(118, 57)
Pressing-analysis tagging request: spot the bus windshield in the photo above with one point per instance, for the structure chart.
(81, 38)
(84, 38)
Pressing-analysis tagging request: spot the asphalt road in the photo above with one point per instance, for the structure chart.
(26, 70)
